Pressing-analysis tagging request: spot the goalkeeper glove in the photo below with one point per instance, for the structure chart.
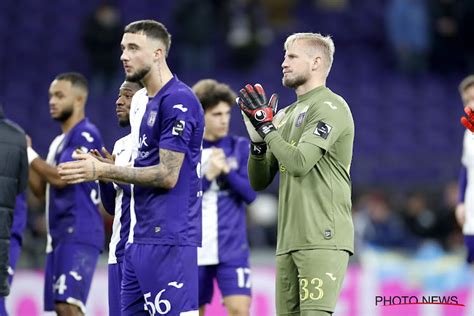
(253, 102)
(468, 121)
(254, 136)
(258, 146)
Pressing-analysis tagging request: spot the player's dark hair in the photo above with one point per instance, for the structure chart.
(138, 83)
(466, 83)
(210, 93)
(76, 79)
(152, 29)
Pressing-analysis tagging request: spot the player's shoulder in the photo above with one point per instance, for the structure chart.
(331, 100)
(140, 96)
(86, 131)
(140, 93)
(331, 104)
(181, 97)
(91, 128)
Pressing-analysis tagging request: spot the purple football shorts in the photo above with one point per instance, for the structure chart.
(159, 280)
(68, 274)
(233, 278)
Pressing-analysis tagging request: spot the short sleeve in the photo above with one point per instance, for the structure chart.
(178, 121)
(84, 140)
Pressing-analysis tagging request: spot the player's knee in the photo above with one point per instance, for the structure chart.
(315, 313)
(238, 308)
(65, 309)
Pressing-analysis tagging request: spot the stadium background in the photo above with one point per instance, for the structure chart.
(397, 64)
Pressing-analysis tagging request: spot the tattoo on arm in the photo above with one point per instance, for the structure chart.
(164, 175)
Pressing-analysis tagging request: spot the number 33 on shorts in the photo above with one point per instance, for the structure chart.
(311, 289)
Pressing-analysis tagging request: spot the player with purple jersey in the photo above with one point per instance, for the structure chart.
(116, 196)
(19, 223)
(224, 254)
(75, 226)
(160, 265)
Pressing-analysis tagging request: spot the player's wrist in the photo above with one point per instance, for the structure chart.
(210, 174)
(99, 170)
(32, 155)
(265, 129)
(258, 149)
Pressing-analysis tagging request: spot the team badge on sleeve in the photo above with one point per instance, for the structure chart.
(322, 129)
(178, 128)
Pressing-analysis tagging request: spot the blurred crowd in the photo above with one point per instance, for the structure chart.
(425, 33)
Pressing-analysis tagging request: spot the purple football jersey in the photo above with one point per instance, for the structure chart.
(224, 212)
(72, 211)
(173, 120)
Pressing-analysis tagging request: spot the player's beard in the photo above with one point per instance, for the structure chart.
(139, 74)
(65, 114)
(294, 82)
(124, 122)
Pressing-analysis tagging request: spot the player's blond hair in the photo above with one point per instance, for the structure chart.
(466, 83)
(319, 42)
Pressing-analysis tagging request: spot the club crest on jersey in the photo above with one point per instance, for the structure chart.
(151, 119)
(322, 129)
(300, 119)
(178, 127)
(260, 115)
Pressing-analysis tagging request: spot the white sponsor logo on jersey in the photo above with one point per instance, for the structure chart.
(142, 141)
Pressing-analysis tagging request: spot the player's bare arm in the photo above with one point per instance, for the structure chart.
(88, 168)
(47, 172)
(36, 183)
(42, 172)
